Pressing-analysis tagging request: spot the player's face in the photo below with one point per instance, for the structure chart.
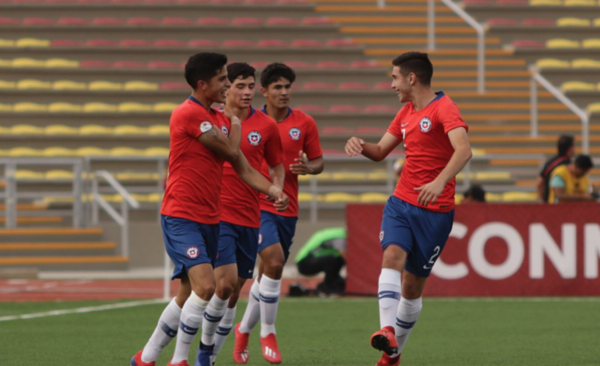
(216, 88)
(401, 84)
(241, 92)
(578, 172)
(278, 93)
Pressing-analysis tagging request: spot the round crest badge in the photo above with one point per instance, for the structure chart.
(425, 124)
(225, 130)
(295, 133)
(205, 126)
(381, 235)
(192, 252)
(254, 138)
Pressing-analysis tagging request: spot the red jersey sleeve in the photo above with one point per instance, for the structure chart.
(395, 128)
(198, 124)
(450, 117)
(312, 144)
(273, 147)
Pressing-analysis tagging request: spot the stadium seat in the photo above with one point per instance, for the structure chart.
(573, 22)
(551, 63)
(57, 151)
(65, 43)
(32, 42)
(340, 43)
(597, 22)
(212, 21)
(591, 43)
(364, 64)
(142, 21)
(59, 175)
(98, 107)
(9, 21)
(170, 43)
(305, 197)
(310, 108)
(562, 43)
(237, 43)
(163, 65)
(501, 22)
(259, 64)
(100, 43)
(129, 65)
(62, 63)
(95, 130)
(7, 84)
(95, 64)
(203, 43)
(125, 151)
(159, 130)
(306, 43)
(28, 175)
(272, 43)
(478, 2)
(246, 21)
(6, 107)
(130, 130)
(538, 22)
(37, 21)
(374, 197)
(104, 85)
(173, 86)
(524, 43)
(27, 62)
(342, 108)
(340, 197)
(68, 85)
(345, 176)
(380, 109)
(33, 84)
(316, 21)
(7, 43)
(354, 86)
(511, 2)
(580, 3)
(26, 130)
(133, 107)
(545, 2)
(330, 65)
(23, 151)
(177, 21)
(519, 197)
(582, 63)
(140, 85)
(62, 107)
(73, 21)
(135, 43)
(337, 131)
(299, 64)
(370, 130)
(108, 21)
(156, 151)
(315, 85)
(594, 108)
(164, 107)
(61, 130)
(281, 21)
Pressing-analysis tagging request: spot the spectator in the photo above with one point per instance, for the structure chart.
(569, 183)
(475, 194)
(566, 150)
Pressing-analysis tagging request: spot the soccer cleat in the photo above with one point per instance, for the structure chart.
(240, 349)
(204, 353)
(385, 340)
(386, 360)
(137, 360)
(182, 363)
(270, 349)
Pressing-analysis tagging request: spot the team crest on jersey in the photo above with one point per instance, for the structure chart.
(381, 235)
(192, 252)
(225, 130)
(425, 124)
(254, 138)
(205, 126)
(295, 133)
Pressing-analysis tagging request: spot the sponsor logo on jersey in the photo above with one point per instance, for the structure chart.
(381, 235)
(205, 126)
(425, 124)
(295, 133)
(225, 130)
(254, 138)
(192, 252)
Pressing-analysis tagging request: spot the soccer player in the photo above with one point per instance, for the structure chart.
(240, 216)
(418, 218)
(191, 209)
(299, 135)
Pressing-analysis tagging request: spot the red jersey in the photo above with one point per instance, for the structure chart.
(298, 131)
(260, 143)
(194, 181)
(427, 147)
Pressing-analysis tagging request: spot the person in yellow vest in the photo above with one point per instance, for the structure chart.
(570, 183)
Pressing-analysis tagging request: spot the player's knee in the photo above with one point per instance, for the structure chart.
(204, 290)
(274, 268)
(393, 257)
(225, 290)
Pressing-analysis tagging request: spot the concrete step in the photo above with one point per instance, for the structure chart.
(50, 263)
(35, 220)
(520, 12)
(541, 33)
(63, 249)
(62, 234)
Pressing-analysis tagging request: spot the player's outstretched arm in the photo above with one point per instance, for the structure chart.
(259, 183)
(462, 154)
(277, 174)
(304, 166)
(375, 152)
(218, 143)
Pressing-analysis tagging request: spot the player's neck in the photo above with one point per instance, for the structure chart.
(240, 112)
(278, 114)
(422, 98)
(205, 101)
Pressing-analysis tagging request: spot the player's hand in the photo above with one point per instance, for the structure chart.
(281, 199)
(430, 192)
(301, 167)
(354, 146)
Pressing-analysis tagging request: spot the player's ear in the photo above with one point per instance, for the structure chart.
(263, 91)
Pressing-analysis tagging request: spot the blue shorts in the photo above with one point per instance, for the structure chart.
(189, 243)
(420, 232)
(238, 244)
(276, 229)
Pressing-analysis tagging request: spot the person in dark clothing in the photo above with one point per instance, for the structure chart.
(566, 150)
(474, 194)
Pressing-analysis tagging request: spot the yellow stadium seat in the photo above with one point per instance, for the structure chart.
(492, 175)
(165, 107)
(68, 85)
(32, 42)
(7, 43)
(580, 2)
(155, 197)
(378, 175)
(4, 152)
(132, 107)
(340, 197)
(348, 176)
(141, 198)
(156, 151)
(33, 84)
(545, 2)
(577, 86)
(129, 130)
(61, 130)
(573, 22)
(59, 175)
(97, 107)
(58, 151)
(62, 63)
(92, 151)
(95, 130)
(374, 197)
(519, 196)
(7, 84)
(126, 151)
(478, 152)
(322, 176)
(305, 197)
(29, 175)
(594, 108)
(62, 107)
(159, 130)
(6, 108)
(591, 43)
(140, 85)
(5, 63)
(303, 178)
(4, 131)
(493, 197)
(104, 85)
(551, 63)
(26, 130)
(23, 151)
(134, 176)
(597, 22)
(583, 63)
(30, 107)
(562, 43)
(27, 62)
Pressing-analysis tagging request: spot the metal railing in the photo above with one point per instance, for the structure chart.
(12, 194)
(583, 115)
(121, 219)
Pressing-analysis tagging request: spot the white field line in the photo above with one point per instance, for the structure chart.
(89, 309)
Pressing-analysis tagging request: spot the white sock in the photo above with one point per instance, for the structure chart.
(252, 313)
(223, 329)
(212, 317)
(408, 313)
(269, 301)
(389, 296)
(191, 320)
(165, 331)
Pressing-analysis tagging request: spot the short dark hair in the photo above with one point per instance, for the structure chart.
(275, 71)
(237, 69)
(417, 63)
(584, 162)
(477, 192)
(565, 142)
(203, 66)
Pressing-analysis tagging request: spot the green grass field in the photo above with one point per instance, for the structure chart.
(477, 332)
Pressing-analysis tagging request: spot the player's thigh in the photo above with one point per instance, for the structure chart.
(229, 238)
(246, 252)
(272, 256)
(202, 280)
(287, 230)
(226, 279)
(396, 237)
